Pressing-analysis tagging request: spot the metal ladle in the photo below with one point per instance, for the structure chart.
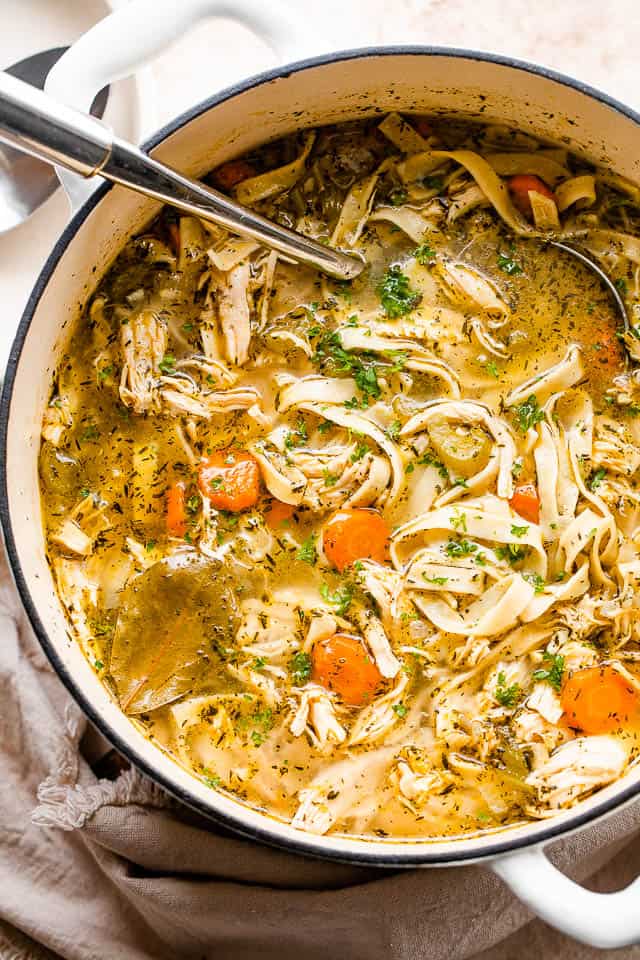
(25, 182)
(36, 124)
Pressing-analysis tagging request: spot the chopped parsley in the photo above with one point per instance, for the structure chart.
(361, 450)
(150, 545)
(508, 265)
(512, 553)
(364, 370)
(528, 414)
(259, 663)
(393, 430)
(518, 531)
(553, 673)
(396, 296)
(98, 664)
(212, 781)
(330, 479)
(168, 364)
(307, 551)
(516, 469)
(400, 710)
(507, 696)
(492, 369)
(398, 197)
(536, 581)
(340, 598)
(621, 285)
(300, 667)
(429, 460)
(460, 548)
(438, 581)
(193, 503)
(89, 434)
(433, 182)
(596, 478)
(459, 522)
(104, 373)
(297, 437)
(424, 254)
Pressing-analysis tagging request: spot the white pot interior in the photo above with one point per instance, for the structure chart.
(323, 93)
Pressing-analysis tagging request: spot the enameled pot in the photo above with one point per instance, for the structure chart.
(328, 89)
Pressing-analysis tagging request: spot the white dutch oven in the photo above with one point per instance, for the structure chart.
(329, 89)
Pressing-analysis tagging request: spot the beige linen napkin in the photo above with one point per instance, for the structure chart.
(95, 869)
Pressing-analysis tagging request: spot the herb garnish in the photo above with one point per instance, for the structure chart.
(396, 296)
(300, 667)
(596, 478)
(340, 598)
(528, 414)
(552, 674)
(508, 265)
(460, 548)
(168, 364)
(518, 531)
(507, 696)
(424, 254)
(307, 551)
(536, 581)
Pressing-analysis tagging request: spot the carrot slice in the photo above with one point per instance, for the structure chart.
(230, 174)
(521, 185)
(174, 236)
(355, 534)
(342, 664)
(422, 125)
(230, 479)
(526, 502)
(600, 699)
(176, 509)
(279, 514)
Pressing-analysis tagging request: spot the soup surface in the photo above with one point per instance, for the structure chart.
(365, 555)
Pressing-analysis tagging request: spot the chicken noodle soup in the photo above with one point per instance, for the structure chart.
(365, 555)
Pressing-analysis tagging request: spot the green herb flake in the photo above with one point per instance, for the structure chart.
(393, 430)
(424, 254)
(460, 548)
(518, 531)
(536, 581)
(508, 265)
(398, 197)
(307, 551)
(362, 449)
(528, 414)
(438, 581)
(554, 672)
(507, 696)
(330, 479)
(259, 663)
(300, 667)
(168, 364)
(492, 369)
(512, 553)
(340, 598)
(596, 478)
(105, 373)
(396, 296)
(400, 710)
(150, 546)
(459, 521)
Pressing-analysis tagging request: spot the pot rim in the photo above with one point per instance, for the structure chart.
(406, 853)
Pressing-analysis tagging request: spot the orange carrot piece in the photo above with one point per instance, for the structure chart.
(526, 503)
(521, 185)
(230, 479)
(230, 174)
(422, 125)
(342, 664)
(355, 534)
(607, 349)
(279, 514)
(177, 509)
(174, 236)
(600, 699)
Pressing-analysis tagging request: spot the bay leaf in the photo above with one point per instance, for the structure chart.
(172, 620)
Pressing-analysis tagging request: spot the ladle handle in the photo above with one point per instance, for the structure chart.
(52, 131)
(34, 123)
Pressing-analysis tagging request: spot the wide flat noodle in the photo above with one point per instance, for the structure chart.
(495, 612)
(355, 212)
(482, 172)
(402, 135)
(537, 163)
(560, 376)
(576, 190)
(276, 181)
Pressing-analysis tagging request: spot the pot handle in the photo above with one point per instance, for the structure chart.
(604, 920)
(138, 31)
